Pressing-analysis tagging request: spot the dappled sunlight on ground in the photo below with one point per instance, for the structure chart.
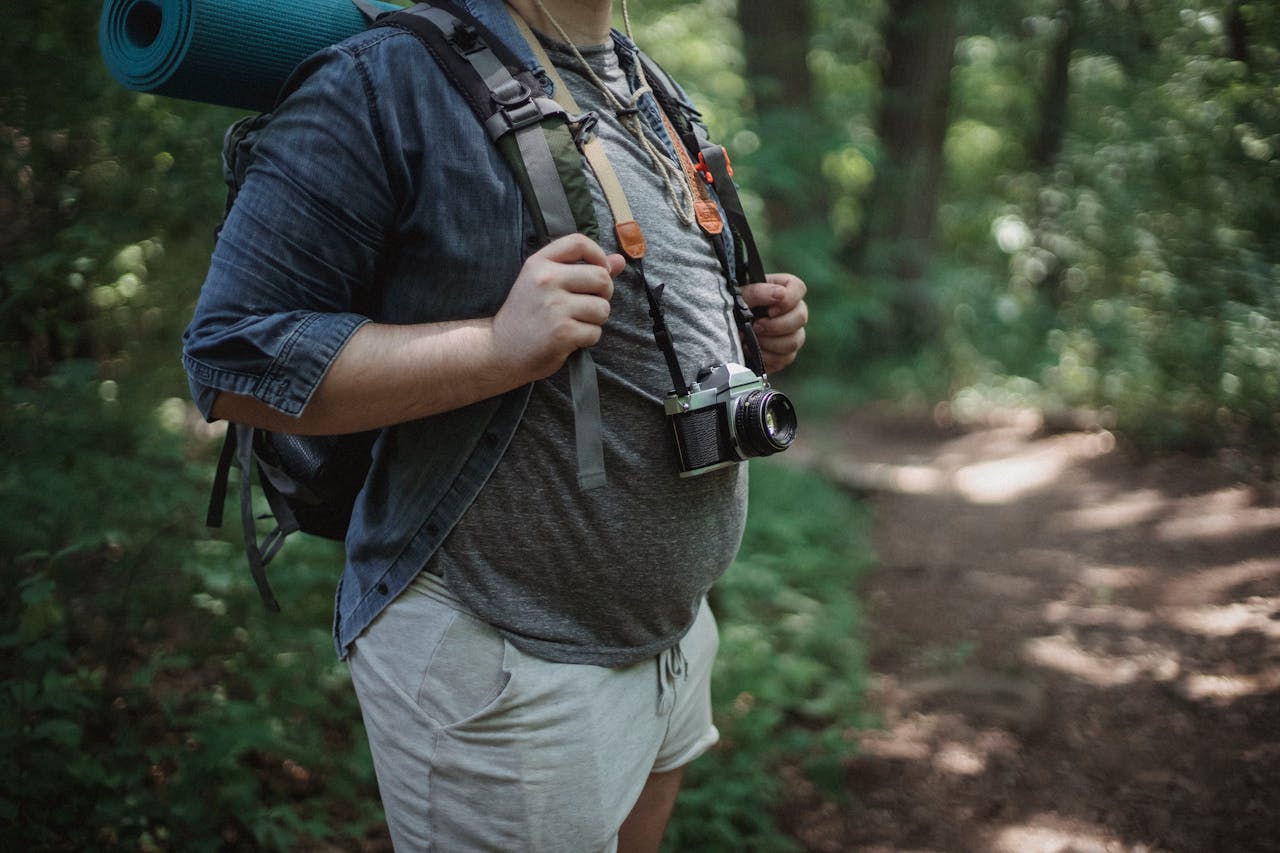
(1006, 480)
(1064, 655)
(1255, 614)
(1050, 834)
(1072, 652)
(1208, 585)
(1019, 469)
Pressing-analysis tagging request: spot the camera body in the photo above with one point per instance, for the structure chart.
(730, 414)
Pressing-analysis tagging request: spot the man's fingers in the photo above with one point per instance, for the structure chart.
(587, 280)
(573, 248)
(780, 294)
(783, 344)
(782, 324)
(591, 309)
(787, 280)
(577, 264)
(769, 295)
(580, 249)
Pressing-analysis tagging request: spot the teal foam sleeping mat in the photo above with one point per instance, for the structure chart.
(235, 53)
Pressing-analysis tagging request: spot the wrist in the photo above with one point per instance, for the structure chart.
(500, 365)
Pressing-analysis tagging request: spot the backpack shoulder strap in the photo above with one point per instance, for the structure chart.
(538, 139)
(533, 133)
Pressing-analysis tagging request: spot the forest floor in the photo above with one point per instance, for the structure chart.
(1071, 651)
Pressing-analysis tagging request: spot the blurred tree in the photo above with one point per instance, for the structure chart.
(1128, 259)
(1056, 86)
(775, 45)
(897, 239)
(96, 182)
(1237, 32)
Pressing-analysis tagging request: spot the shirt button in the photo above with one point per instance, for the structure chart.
(382, 589)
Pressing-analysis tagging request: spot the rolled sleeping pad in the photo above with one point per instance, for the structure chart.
(234, 53)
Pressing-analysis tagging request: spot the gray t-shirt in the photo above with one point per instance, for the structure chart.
(613, 575)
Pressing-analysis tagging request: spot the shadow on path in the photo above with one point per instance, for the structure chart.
(1072, 652)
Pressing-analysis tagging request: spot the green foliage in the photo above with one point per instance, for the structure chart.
(1136, 276)
(1139, 274)
(94, 182)
(791, 673)
(148, 702)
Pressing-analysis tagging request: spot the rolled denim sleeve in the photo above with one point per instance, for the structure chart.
(300, 248)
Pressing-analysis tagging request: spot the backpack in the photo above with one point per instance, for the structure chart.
(311, 482)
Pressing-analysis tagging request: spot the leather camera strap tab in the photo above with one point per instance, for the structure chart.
(704, 208)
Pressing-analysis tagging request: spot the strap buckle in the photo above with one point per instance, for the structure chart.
(704, 169)
(465, 39)
(583, 127)
(518, 110)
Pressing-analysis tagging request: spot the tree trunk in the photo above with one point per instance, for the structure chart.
(775, 41)
(898, 235)
(1237, 33)
(1053, 99)
(775, 36)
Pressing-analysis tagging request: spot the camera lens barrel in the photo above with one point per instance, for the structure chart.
(764, 422)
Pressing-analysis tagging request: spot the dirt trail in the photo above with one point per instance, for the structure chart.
(1071, 652)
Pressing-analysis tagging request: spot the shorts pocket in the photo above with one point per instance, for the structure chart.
(468, 674)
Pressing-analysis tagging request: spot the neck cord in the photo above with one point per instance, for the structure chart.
(629, 115)
(630, 236)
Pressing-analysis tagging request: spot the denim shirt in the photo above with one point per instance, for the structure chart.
(374, 194)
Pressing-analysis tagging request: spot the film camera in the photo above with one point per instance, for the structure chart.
(729, 415)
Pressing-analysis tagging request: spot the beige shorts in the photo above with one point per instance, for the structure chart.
(479, 746)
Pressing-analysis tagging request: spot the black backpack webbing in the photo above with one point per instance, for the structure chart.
(238, 447)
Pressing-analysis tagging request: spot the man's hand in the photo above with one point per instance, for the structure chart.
(781, 334)
(559, 304)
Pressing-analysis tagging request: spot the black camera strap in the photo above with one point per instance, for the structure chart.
(661, 334)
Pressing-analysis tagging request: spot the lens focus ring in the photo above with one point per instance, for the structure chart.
(764, 423)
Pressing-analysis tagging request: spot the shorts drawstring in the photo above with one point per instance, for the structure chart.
(672, 668)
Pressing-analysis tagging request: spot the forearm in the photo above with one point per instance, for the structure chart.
(388, 374)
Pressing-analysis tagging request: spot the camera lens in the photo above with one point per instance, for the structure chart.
(764, 423)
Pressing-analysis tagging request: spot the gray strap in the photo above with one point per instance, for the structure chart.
(522, 112)
(544, 177)
(519, 111)
(587, 425)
